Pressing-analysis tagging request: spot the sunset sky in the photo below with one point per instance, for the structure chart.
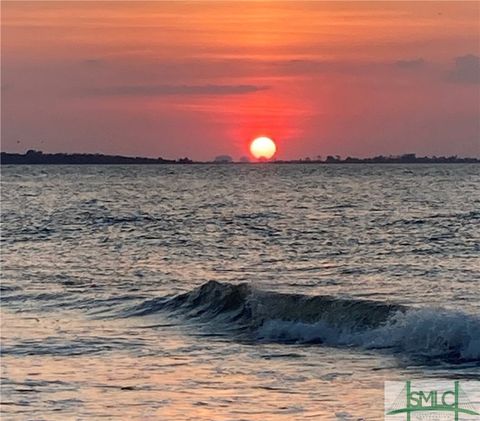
(200, 79)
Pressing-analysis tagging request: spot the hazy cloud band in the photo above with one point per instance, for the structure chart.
(165, 90)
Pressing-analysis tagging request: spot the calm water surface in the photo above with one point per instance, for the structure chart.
(234, 292)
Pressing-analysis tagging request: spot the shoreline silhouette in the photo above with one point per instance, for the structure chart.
(33, 157)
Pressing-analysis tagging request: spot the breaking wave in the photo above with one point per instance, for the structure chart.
(266, 316)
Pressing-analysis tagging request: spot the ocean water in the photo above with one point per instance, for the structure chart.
(234, 292)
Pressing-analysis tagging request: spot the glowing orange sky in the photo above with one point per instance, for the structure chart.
(201, 79)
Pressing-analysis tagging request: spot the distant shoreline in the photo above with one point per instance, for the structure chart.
(33, 157)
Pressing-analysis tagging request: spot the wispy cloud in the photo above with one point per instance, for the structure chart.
(466, 70)
(93, 61)
(188, 90)
(410, 64)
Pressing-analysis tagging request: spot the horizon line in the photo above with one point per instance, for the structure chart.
(227, 159)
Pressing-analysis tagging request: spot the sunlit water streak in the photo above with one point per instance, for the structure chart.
(328, 281)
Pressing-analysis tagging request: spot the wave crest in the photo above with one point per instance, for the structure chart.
(333, 321)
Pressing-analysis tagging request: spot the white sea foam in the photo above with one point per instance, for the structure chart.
(435, 333)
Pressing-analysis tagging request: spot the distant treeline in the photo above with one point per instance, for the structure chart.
(410, 158)
(33, 157)
(37, 157)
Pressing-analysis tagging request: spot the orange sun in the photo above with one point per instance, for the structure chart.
(263, 148)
